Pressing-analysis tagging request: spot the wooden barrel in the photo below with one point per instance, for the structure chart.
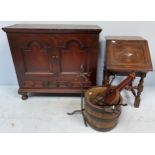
(98, 117)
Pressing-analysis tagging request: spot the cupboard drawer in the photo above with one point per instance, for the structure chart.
(39, 84)
(54, 84)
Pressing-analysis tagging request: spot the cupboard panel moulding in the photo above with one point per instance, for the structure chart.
(48, 58)
(35, 54)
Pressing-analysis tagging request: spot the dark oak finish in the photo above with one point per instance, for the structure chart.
(112, 94)
(125, 55)
(48, 58)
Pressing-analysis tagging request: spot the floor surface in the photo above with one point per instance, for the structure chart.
(48, 113)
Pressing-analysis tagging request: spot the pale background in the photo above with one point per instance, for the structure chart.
(144, 29)
(91, 144)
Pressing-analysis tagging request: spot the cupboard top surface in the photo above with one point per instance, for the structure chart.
(125, 38)
(51, 28)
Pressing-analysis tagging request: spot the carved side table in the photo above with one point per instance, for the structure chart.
(125, 55)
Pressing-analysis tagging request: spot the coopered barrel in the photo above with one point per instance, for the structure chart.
(98, 117)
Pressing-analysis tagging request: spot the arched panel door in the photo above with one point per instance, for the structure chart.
(37, 58)
(36, 53)
(74, 58)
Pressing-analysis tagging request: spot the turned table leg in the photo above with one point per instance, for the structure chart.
(132, 89)
(139, 90)
(105, 78)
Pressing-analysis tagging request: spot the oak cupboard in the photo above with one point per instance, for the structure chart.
(49, 58)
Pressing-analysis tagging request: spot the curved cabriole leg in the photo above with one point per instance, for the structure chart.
(139, 90)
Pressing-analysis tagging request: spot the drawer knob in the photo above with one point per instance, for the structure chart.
(46, 83)
(53, 85)
(55, 56)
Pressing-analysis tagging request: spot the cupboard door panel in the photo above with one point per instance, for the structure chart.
(36, 53)
(36, 59)
(72, 57)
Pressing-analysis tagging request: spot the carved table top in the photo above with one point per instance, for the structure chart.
(130, 53)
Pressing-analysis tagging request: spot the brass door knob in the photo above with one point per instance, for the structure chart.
(57, 57)
(46, 83)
